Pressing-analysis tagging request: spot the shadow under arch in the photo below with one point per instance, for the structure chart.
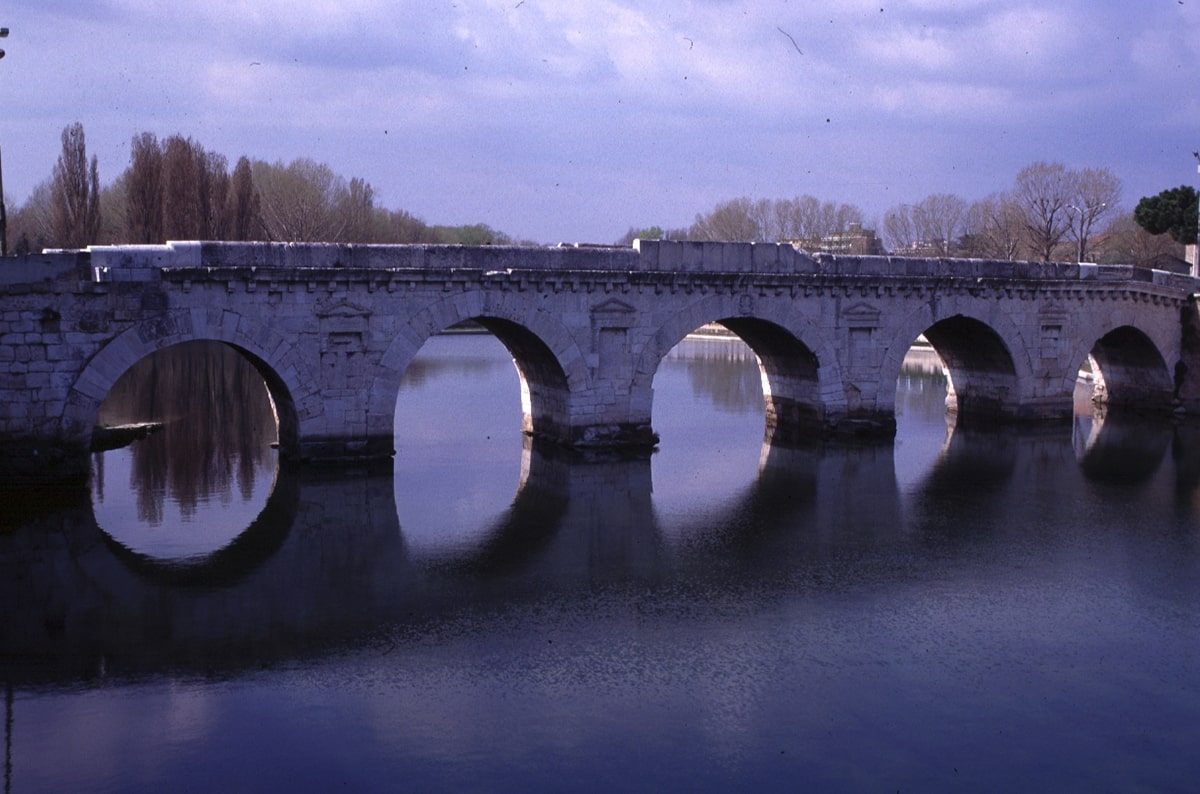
(250, 339)
(981, 378)
(545, 393)
(232, 563)
(798, 362)
(790, 372)
(1129, 373)
(550, 365)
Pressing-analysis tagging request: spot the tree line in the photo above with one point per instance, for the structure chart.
(1050, 212)
(175, 189)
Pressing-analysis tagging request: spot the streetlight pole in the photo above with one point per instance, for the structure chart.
(1075, 212)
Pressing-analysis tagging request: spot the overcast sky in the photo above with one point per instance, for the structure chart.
(574, 121)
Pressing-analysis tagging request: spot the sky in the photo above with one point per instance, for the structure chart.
(576, 121)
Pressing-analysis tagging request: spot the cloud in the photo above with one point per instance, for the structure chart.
(575, 120)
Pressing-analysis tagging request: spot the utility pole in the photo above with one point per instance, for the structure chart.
(3, 214)
(1196, 254)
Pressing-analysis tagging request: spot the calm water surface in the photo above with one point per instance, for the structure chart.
(957, 612)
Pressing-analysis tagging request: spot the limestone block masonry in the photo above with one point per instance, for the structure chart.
(332, 328)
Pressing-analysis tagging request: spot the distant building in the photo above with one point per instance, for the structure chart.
(855, 240)
(926, 249)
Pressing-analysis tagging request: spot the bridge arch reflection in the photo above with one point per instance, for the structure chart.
(336, 569)
(1121, 447)
(249, 550)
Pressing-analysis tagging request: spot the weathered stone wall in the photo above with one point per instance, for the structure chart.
(49, 324)
(333, 328)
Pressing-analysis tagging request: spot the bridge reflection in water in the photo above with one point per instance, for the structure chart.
(816, 561)
(339, 544)
(327, 559)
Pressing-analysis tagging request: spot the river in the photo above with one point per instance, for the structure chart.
(957, 611)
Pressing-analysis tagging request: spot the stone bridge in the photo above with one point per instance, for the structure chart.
(332, 329)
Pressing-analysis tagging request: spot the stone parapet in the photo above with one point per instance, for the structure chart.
(41, 268)
(147, 262)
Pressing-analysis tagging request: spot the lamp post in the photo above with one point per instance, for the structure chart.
(1075, 212)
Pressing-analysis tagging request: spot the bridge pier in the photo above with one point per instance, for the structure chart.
(621, 439)
(792, 423)
(1187, 371)
(52, 459)
(373, 452)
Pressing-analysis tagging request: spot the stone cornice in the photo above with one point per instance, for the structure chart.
(794, 285)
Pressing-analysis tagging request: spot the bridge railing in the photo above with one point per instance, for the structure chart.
(147, 262)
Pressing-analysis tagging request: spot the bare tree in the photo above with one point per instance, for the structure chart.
(298, 200)
(901, 229)
(114, 208)
(212, 188)
(809, 219)
(939, 220)
(833, 218)
(356, 206)
(1097, 193)
(182, 209)
(995, 227)
(32, 225)
(404, 227)
(245, 219)
(1044, 191)
(75, 192)
(800, 218)
(144, 189)
(730, 221)
(1126, 241)
(804, 219)
(767, 218)
(176, 190)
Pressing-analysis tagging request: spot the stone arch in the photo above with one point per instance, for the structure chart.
(1130, 372)
(288, 380)
(801, 385)
(1132, 360)
(550, 365)
(989, 374)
